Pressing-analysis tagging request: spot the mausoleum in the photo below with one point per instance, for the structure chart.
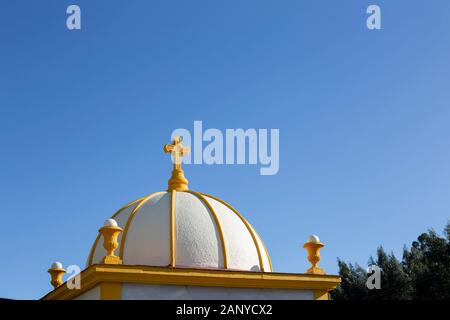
(184, 244)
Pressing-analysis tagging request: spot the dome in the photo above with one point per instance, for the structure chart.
(185, 229)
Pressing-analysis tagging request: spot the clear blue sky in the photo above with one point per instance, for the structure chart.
(363, 116)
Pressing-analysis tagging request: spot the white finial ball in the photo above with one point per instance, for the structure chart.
(313, 238)
(57, 265)
(110, 223)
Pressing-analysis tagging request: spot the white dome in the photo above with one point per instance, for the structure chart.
(185, 229)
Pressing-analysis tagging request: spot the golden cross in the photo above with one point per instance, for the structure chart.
(177, 150)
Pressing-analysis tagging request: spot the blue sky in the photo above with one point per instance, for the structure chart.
(363, 117)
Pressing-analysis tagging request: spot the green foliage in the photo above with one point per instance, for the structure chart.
(353, 285)
(423, 273)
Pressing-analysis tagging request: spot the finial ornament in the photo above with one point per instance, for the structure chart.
(177, 182)
(313, 246)
(110, 232)
(56, 272)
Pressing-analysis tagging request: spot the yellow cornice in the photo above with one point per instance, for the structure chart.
(98, 274)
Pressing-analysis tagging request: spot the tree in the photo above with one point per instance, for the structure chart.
(423, 273)
(353, 285)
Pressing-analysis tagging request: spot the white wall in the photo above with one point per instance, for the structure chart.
(131, 291)
(92, 294)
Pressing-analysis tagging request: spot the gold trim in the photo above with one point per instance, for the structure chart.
(110, 291)
(110, 235)
(97, 239)
(219, 226)
(321, 295)
(172, 229)
(130, 218)
(247, 225)
(178, 181)
(56, 275)
(265, 249)
(313, 249)
(98, 274)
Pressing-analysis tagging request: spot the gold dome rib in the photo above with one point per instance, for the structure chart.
(172, 229)
(216, 220)
(249, 228)
(94, 246)
(130, 219)
(265, 249)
